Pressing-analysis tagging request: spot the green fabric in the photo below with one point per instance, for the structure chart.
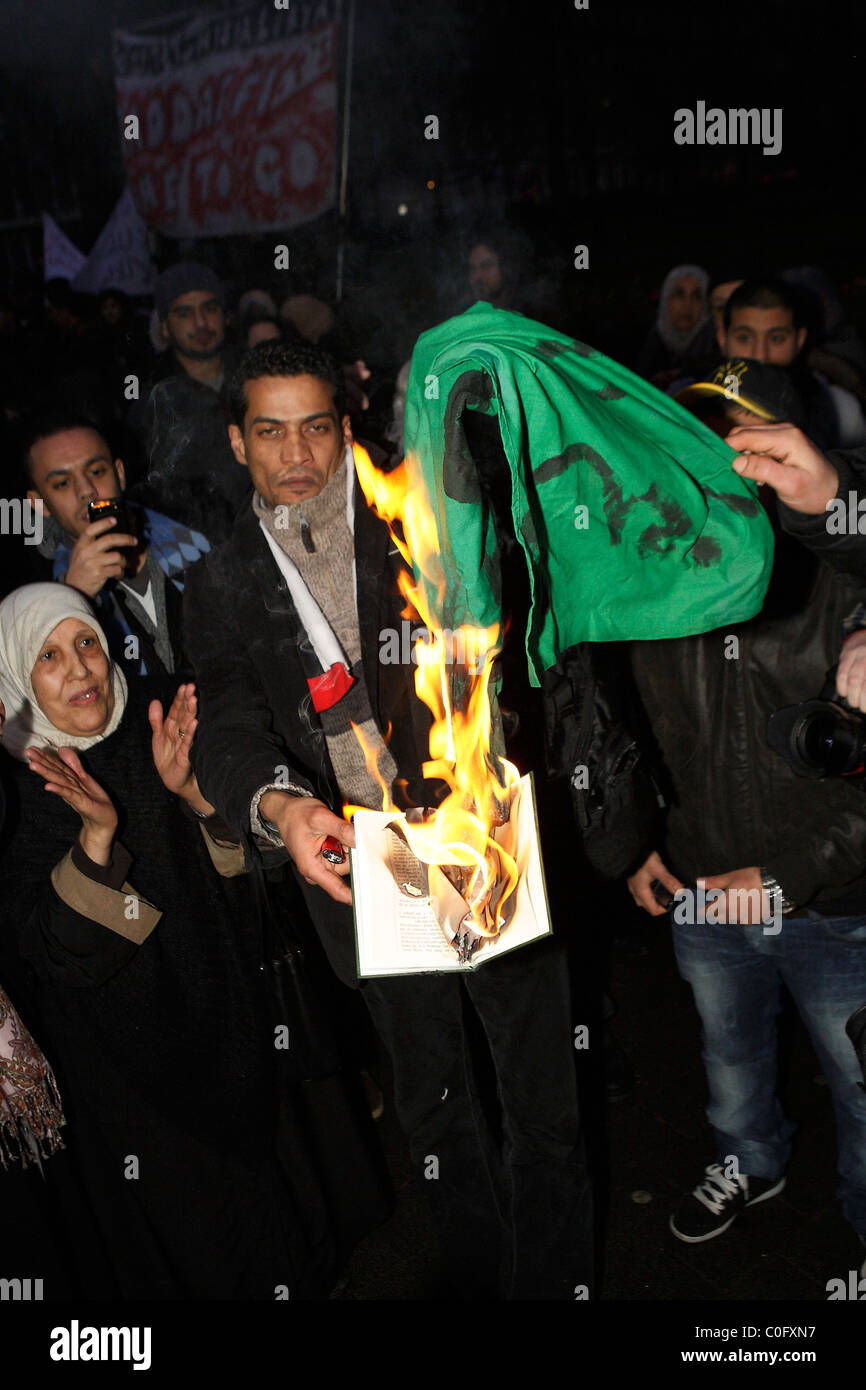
(675, 541)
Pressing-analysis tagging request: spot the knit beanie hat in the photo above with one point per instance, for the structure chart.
(182, 279)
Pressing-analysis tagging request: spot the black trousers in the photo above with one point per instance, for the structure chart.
(513, 1210)
(512, 1203)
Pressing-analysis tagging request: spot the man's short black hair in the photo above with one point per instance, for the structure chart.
(44, 424)
(275, 358)
(765, 293)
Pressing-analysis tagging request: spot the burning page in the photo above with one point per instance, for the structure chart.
(409, 916)
(467, 872)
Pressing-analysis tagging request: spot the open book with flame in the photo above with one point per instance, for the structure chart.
(413, 917)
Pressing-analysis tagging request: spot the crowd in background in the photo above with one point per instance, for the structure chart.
(111, 400)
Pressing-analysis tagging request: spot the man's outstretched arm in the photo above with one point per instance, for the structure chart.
(815, 490)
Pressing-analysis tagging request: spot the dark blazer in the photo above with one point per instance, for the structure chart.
(242, 634)
(174, 624)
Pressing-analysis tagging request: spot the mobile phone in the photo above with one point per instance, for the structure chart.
(116, 507)
(665, 898)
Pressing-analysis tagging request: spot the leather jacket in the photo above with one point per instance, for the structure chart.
(734, 801)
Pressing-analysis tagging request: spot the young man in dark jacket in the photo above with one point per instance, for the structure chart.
(781, 857)
(181, 421)
(280, 684)
(135, 581)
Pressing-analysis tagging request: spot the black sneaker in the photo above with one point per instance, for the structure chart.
(718, 1201)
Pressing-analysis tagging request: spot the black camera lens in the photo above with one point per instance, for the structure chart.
(829, 741)
(819, 739)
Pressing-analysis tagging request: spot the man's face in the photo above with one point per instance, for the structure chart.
(71, 469)
(685, 303)
(485, 273)
(765, 335)
(292, 441)
(195, 325)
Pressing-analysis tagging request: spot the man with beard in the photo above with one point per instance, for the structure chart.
(181, 422)
(284, 627)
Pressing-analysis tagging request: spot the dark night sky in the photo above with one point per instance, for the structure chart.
(585, 98)
(507, 81)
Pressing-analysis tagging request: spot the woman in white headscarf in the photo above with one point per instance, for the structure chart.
(142, 969)
(681, 341)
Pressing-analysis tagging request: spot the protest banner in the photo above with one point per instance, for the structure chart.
(120, 258)
(228, 121)
(61, 258)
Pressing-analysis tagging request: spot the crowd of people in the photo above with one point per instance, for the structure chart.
(188, 646)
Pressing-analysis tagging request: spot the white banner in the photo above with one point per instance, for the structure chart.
(61, 257)
(120, 259)
(228, 122)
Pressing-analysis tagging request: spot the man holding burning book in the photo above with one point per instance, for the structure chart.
(299, 717)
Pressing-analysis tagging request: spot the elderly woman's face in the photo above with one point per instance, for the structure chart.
(72, 679)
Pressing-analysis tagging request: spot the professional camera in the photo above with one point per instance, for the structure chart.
(821, 738)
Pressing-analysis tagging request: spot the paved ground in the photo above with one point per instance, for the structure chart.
(652, 1146)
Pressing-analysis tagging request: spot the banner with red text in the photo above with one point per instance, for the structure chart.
(228, 121)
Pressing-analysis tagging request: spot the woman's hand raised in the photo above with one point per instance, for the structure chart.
(66, 778)
(172, 736)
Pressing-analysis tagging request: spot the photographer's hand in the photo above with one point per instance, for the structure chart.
(851, 675)
(95, 558)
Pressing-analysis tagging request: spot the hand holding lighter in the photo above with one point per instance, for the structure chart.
(332, 850)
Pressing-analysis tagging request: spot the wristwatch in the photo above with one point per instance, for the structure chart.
(776, 893)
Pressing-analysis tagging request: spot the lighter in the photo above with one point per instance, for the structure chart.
(332, 850)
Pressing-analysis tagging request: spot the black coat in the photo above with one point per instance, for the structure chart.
(243, 635)
(736, 802)
(190, 472)
(163, 1051)
(845, 552)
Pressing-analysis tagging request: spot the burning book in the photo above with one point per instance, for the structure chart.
(444, 888)
(413, 917)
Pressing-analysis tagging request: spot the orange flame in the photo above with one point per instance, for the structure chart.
(460, 832)
(371, 759)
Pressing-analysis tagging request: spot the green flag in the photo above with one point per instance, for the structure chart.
(633, 522)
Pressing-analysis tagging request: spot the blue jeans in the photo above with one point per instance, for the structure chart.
(735, 973)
